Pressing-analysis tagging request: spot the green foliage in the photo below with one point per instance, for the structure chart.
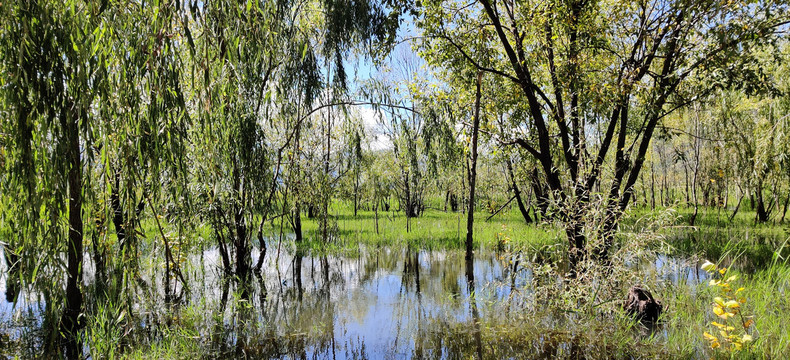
(148, 132)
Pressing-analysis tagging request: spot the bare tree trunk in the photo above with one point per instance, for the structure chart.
(405, 201)
(12, 277)
(326, 185)
(501, 208)
(240, 228)
(463, 187)
(695, 179)
(356, 192)
(376, 212)
(653, 186)
(242, 248)
(297, 225)
(223, 251)
(666, 190)
(738, 205)
(262, 245)
(297, 212)
(473, 174)
(693, 218)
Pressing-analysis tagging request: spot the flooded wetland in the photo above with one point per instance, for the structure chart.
(394, 179)
(369, 302)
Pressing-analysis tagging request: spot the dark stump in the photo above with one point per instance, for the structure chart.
(641, 305)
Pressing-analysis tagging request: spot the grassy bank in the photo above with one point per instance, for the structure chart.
(434, 229)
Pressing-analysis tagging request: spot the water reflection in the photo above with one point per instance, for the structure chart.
(386, 302)
(674, 270)
(363, 306)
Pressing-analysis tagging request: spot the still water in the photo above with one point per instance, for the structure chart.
(373, 304)
(377, 303)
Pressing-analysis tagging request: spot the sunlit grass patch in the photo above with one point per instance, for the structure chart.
(434, 229)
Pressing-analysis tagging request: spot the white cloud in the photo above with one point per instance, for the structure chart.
(375, 131)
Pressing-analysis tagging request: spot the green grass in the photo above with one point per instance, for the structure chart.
(690, 313)
(434, 229)
(714, 237)
(720, 219)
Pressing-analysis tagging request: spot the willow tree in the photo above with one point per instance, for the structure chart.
(50, 62)
(256, 70)
(141, 140)
(240, 54)
(94, 113)
(594, 79)
(756, 132)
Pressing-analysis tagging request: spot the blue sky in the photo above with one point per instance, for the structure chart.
(361, 69)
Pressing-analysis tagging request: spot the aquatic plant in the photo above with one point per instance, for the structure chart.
(733, 326)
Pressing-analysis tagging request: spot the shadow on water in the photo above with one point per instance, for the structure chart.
(383, 302)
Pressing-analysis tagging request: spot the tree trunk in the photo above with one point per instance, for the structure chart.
(759, 206)
(223, 251)
(326, 187)
(463, 187)
(70, 321)
(784, 208)
(693, 217)
(517, 193)
(376, 214)
(473, 173)
(117, 211)
(121, 221)
(262, 245)
(695, 178)
(297, 273)
(653, 186)
(298, 225)
(297, 212)
(356, 192)
(12, 277)
(242, 248)
(240, 228)
(541, 198)
(737, 206)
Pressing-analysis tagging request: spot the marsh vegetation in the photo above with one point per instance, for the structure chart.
(394, 179)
